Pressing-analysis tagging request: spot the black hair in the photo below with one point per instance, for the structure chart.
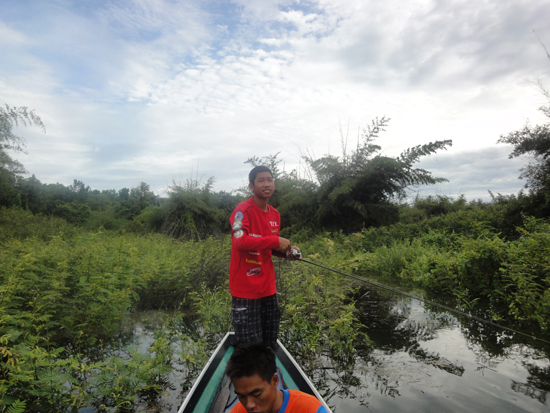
(250, 359)
(256, 170)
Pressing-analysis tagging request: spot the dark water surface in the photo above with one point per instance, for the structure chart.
(431, 362)
(421, 359)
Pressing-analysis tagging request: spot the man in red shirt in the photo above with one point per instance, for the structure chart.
(254, 236)
(253, 371)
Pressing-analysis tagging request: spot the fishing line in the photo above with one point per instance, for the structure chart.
(432, 303)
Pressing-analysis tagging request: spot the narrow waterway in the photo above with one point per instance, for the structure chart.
(420, 359)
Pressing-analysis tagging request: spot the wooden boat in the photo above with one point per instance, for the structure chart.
(213, 393)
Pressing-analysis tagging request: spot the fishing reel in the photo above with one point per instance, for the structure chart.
(294, 254)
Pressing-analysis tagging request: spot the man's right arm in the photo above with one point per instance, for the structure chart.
(244, 237)
(284, 246)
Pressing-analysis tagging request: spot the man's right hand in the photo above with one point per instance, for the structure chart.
(284, 245)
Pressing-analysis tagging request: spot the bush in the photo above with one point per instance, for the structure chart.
(64, 294)
(16, 223)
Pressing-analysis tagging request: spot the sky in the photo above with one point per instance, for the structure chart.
(161, 91)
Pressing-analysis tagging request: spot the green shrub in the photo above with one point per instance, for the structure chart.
(526, 273)
(21, 224)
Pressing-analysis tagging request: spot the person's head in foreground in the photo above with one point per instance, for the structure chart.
(253, 371)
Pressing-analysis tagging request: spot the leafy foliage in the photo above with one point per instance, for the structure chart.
(526, 273)
(534, 141)
(319, 318)
(356, 191)
(461, 254)
(191, 212)
(64, 295)
(74, 262)
(10, 117)
(17, 406)
(65, 291)
(10, 168)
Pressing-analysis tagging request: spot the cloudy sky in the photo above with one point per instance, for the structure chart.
(156, 90)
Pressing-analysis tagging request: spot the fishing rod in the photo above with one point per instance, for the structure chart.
(297, 255)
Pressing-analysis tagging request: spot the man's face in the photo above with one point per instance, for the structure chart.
(263, 186)
(256, 394)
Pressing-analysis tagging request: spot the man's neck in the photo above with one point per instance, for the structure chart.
(278, 402)
(261, 203)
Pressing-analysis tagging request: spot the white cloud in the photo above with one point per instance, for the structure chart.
(10, 37)
(475, 173)
(141, 90)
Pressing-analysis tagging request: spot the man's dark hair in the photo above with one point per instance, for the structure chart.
(250, 359)
(256, 170)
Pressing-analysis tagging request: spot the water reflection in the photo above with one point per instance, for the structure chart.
(538, 383)
(429, 360)
(420, 359)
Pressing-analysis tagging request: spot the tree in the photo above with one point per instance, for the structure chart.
(191, 212)
(534, 141)
(131, 202)
(10, 168)
(10, 117)
(31, 193)
(143, 194)
(80, 190)
(353, 191)
(358, 189)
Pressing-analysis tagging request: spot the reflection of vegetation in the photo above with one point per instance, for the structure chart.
(338, 379)
(538, 383)
(436, 361)
(391, 329)
(388, 324)
(387, 387)
(540, 377)
(529, 391)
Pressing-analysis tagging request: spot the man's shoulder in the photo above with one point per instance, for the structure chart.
(272, 209)
(244, 205)
(302, 402)
(301, 395)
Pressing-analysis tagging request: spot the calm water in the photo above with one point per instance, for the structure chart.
(420, 360)
(429, 361)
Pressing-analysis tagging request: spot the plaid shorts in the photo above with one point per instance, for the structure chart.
(256, 320)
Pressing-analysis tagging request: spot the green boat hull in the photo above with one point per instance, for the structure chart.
(212, 392)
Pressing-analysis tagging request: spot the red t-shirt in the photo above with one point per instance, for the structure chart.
(254, 234)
